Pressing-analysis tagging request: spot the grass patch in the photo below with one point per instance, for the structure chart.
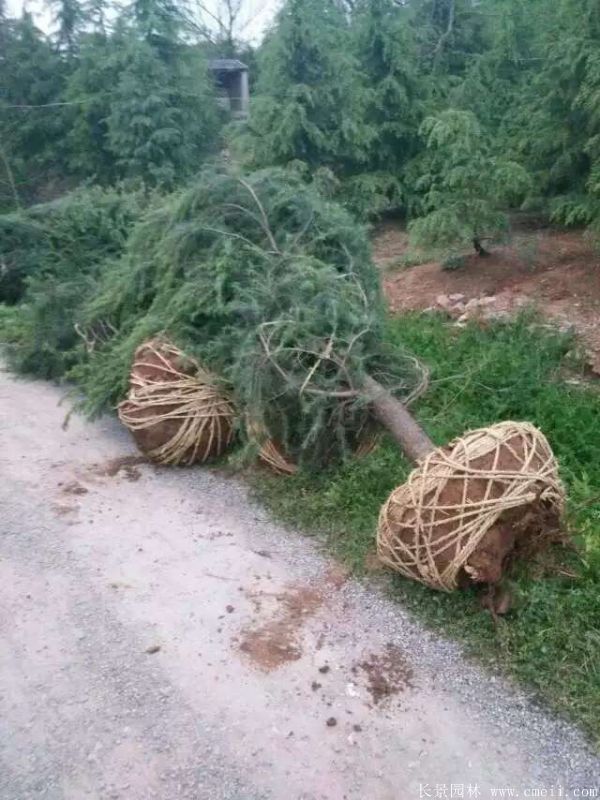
(551, 640)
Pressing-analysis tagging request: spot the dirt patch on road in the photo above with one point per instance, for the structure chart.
(387, 673)
(125, 466)
(557, 271)
(64, 510)
(278, 641)
(73, 488)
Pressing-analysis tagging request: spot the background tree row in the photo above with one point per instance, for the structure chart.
(451, 112)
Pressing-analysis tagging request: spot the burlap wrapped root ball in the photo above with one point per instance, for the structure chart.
(175, 410)
(469, 505)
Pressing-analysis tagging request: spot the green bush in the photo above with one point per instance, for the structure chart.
(54, 254)
(12, 329)
(83, 227)
(23, 245)
(462, 185)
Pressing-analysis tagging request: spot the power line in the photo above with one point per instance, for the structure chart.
(49, 105)
(90, 98)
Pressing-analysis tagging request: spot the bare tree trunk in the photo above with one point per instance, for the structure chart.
(11, 178)
(479, 248)
(413, 440)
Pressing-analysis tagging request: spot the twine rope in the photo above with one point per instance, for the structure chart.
(205, 415)
(409, 538)
(271, 453)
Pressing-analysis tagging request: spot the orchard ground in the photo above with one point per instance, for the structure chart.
(556, 271)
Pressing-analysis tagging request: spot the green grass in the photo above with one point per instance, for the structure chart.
(551, 639)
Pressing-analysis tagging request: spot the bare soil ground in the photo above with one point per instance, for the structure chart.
(557, 271)
(161, 637)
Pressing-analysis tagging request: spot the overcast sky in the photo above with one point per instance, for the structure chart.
(255, 18)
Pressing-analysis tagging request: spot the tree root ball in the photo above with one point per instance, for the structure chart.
(468, 506)
(175, 410)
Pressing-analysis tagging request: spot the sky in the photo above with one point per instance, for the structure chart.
(254, 20)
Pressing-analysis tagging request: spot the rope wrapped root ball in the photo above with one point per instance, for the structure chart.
(469, 505)
(175, 409)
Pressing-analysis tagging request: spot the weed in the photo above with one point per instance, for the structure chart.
(452, 262)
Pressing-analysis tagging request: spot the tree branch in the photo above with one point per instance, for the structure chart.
(443, 38)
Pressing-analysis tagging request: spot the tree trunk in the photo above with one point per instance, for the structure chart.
(413, 440)
(479, 248)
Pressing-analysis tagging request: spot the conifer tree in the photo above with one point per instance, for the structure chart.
(306, 109)
(69, 17)
(90, 88)
(559, 124)
(163, 117)
(393, 95)
(95, 12)
(465, 186)
(144, 103)
(449, 33)
(31, 128)
(158, 22)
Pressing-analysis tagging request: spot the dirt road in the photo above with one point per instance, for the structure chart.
(162, 638)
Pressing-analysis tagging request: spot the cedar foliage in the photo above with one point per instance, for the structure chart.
(92, 103)
(52, 255)
(463, 184)
(306, 106)
(524, 73)
(269, 285)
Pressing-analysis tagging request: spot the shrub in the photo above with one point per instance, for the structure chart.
(53, 254)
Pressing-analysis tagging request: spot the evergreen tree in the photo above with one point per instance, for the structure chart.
(32, 126)
(159, 22)
(135, 102)
(393, 102)
(90, 88)
(558, 130)
(163, 117)
(394, 94)
(465, 186)
(342, 90)
(307, 99)
(95, 12)
(68, 16)
(3, 21)
(145, 105)
(449, 33)
(495, 82)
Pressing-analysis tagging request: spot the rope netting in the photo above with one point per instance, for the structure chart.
(175, 409)
(432, 525)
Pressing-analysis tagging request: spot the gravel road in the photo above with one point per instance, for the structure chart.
(161, 637)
